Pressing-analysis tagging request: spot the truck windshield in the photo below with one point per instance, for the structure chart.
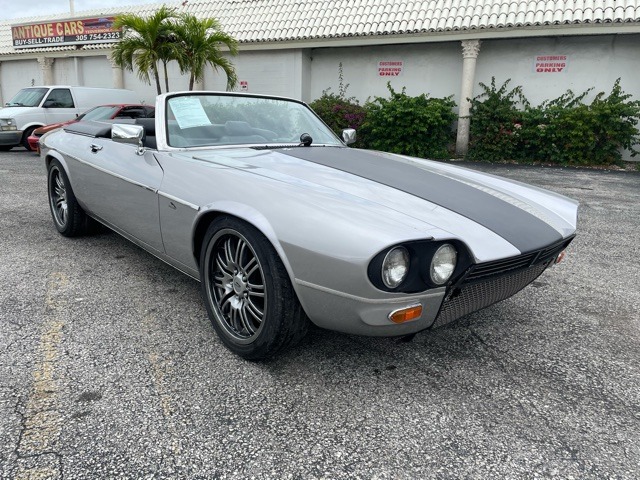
(28, 97)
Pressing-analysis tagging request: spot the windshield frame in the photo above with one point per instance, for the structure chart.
(162, 122)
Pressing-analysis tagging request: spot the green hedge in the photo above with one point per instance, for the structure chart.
(504, 125)
(565, 130)
(418, 126)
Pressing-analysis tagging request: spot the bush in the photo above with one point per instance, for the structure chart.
(417, 126)
(565, 130)
(495, 123)
(339, 112)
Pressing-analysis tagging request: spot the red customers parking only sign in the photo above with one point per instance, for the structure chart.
(550, 63)
(65, 32)
(390, 68)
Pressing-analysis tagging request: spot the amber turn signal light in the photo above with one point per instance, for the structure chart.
(406, 314)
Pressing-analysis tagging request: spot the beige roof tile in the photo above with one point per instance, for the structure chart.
(252, 21)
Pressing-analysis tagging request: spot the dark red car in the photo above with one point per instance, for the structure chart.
(102, 112)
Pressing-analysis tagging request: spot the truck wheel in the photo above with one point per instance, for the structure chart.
(27, 133)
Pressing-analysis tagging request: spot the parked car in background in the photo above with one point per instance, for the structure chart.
(35, 107)
(102, 112)
(282, 223)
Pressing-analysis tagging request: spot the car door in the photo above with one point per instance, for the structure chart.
(59, 106)
(120, 187)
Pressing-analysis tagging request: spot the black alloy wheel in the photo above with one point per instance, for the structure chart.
(247, 291)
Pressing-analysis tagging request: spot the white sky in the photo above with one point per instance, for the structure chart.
(10, 9)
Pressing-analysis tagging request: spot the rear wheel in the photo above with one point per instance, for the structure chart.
(68, 217)
(5, 148)
(247, 291)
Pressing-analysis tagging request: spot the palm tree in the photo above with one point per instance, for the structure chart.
(145, 42)
(200, 44)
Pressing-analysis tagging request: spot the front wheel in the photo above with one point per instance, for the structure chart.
(247, 291)
(25, 136)
(68, 217)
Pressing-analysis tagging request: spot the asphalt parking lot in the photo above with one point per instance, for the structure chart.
(109, 367)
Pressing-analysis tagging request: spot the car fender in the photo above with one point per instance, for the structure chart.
(33, 125)
(247, 213)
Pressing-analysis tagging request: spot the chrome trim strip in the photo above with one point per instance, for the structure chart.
(180, 201)
(120, 177)
(436, 292)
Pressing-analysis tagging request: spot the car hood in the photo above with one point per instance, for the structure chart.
(52, 126)
(10, 112)
(459, 202)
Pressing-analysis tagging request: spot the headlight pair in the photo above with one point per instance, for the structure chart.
(436, 262)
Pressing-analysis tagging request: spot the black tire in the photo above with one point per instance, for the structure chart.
(68, 217)
(247, 291)
(5, 148)
(27, 133)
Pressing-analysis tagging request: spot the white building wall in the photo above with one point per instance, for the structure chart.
(436, 68)
(433, 68)
(17, 74)
(275, 72)
(96, 72)
(594, 61)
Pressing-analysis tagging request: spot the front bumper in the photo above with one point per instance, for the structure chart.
(480, 286)
(10, 138)
(346, 313)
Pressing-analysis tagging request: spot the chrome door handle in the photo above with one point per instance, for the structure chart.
(95, 148)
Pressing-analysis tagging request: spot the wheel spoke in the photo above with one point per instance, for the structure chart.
(251, 261)
(226, 300)
(228, 253)
(222, 266)
(241, 245)
(256, 294)
(220, 281)
(254, 310)
(245, 321)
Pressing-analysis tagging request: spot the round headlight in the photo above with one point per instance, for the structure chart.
(395, 267)
(443, 264)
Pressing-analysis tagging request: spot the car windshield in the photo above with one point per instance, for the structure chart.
(28, 97)
(225, 119)
(99, 113)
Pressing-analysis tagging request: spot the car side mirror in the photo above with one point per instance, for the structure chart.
(50, 104)
(349, 136)
(129, 134)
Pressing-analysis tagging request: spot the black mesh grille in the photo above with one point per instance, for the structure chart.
(501, 266)
(477, 295)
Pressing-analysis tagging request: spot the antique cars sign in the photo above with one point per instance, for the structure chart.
(65, 32)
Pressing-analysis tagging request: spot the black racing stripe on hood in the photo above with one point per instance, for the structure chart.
(520, 228)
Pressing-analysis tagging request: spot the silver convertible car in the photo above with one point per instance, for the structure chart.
(283, 224)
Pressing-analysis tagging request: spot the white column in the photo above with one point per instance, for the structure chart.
(47, 73)
(117, 74)
(470, 51)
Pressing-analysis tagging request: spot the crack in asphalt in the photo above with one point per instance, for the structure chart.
(563, 442)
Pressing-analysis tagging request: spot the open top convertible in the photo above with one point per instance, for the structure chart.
(282, 222)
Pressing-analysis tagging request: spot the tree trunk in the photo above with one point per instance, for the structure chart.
(166, 77)
(191, 81)
(157, 78)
